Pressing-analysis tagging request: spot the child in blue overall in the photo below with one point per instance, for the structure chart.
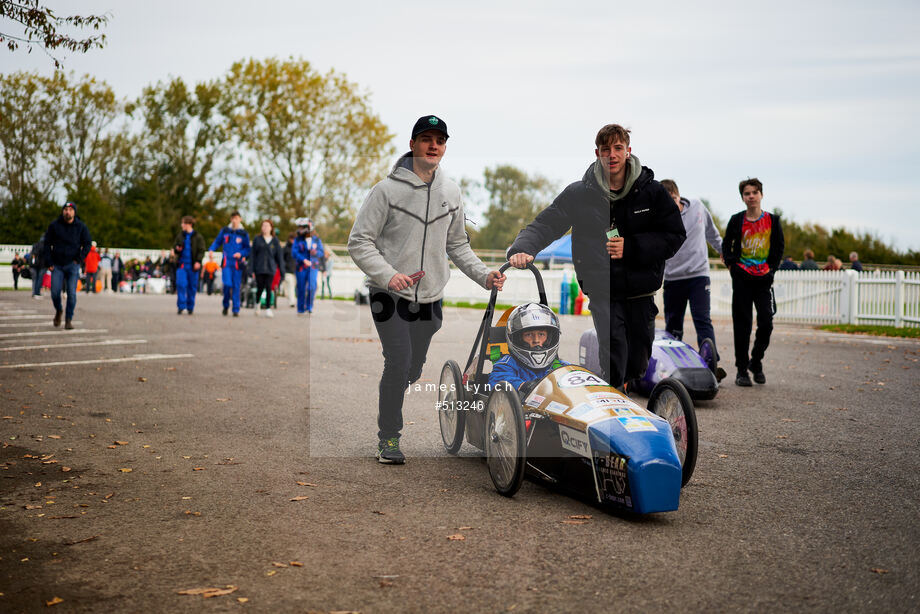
(533, 339)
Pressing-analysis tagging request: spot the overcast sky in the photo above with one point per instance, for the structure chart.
(818, 99)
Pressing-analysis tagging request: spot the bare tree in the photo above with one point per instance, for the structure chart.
(43, 28)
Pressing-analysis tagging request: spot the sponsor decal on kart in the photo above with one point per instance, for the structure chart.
(556, 408)
(574, 441)
(668, 343)
(633, 424)
(535, 400)
(580, 411)
(612, 478)
(577, 379)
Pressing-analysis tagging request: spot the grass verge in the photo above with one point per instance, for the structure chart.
(869, 329)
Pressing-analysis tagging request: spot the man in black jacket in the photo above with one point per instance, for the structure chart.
(67, 242)
(752, 249)
(624, 226)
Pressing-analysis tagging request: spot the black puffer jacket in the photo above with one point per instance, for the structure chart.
(66, 243)
(647, 219)
(266, 256)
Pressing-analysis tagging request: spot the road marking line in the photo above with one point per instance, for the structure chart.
(34, 317)
(21, 324)
(85, 331)
(135, 358)
(14, 312)
(73, 345)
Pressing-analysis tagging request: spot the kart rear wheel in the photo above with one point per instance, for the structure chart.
(671, 401)
(708, 354)
(505, 443)
(451, 412)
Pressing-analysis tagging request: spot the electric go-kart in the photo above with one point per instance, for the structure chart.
(572, 429)
(671, 358)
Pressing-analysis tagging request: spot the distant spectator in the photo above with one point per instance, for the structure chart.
(267, 259)
(788, 264)
(290, 265)
(809, 264)
(855, 264)
(833, 264)
(210, 273)
(17, 264)
(92, 267)
(118, 271)
(188, 248)
(67, 242)
(105, 270)
(326, 283)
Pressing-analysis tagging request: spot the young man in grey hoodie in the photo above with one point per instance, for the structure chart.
(405, 230)
(686, 273)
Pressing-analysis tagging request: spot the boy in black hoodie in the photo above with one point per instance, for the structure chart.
(67, 242)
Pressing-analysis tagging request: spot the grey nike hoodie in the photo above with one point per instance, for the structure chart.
(406, 225)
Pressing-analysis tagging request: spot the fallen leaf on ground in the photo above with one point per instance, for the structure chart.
(456, 538)
(379, 513)
(54, 436)
(54, 601)
(581, 516)
(197, 468)
(300, 498)
(65, 469)
(191, 513)
(208, 592)
(879, 570)
(142, 379)
(306, 484)
(242, 599)
(120, 443)
(126, 470)
(781, 437)
(723, 455)
(296, 564)
(464, 528)
(32, 507)
(112, 447)
(277, 564)
(222, 400)
(272, 572)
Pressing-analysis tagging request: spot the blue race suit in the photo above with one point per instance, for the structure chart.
(306, 275)
(231, 269)
(510, 370)
(186, 276)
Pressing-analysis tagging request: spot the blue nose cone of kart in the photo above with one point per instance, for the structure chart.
(636, 464)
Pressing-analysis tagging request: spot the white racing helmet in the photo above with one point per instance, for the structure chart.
(527, 317)
(304, 223)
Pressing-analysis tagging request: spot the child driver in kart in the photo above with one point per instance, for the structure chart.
(533, 339)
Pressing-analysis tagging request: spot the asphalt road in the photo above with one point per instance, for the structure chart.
(170, 459)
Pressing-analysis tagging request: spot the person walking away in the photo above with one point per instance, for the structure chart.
(408, 226)
(38, 267)
(233, 240)
(753, 249)
(105, 270)
(118, 271)
(267, 258)
(624, 227)
(188, 250)
(67, 243)
(17, 265)
(92, 267)
(686, 273)
(290, 265)
(788, 264)
(808, 261)
(326, 283)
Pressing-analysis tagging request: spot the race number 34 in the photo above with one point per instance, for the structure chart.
(576, 379)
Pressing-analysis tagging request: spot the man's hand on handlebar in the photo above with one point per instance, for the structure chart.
(495, 279)
(520, 260)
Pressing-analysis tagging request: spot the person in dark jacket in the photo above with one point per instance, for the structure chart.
(290, 265)
(188, 250)
(753, 248)
(624, 226)
(267, 257)
(18, 264)
(67, 242)
(808, 262)
(38, 266)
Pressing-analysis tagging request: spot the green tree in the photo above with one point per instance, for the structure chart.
(310, 142)
(515, 199)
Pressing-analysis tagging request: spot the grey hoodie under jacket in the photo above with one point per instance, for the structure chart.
(406, 225)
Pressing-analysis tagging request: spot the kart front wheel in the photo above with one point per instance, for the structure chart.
(670, 400)
(505, 443)
(451, 413)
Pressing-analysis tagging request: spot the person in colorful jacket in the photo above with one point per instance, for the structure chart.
(533, 342)
(752, 249)
(233, 240)
(188, 250)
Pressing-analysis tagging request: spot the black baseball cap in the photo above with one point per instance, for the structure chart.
(429, 122)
